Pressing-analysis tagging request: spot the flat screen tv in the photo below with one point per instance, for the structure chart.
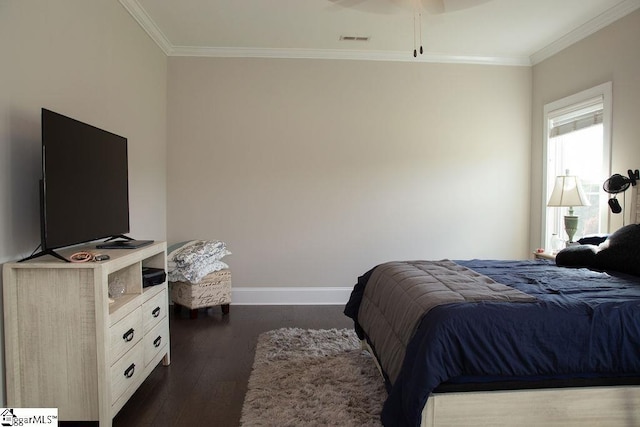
(84, 194)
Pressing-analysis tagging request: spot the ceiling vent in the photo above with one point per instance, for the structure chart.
(354, 38)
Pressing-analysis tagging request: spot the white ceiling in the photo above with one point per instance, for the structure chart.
(508, 32)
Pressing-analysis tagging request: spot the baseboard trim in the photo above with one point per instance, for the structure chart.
(290, 296)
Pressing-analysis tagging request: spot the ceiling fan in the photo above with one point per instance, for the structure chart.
(431, 7)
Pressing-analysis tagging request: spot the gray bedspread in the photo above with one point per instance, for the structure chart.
(398, 294)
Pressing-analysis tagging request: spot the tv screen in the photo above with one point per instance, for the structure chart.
(85, 191)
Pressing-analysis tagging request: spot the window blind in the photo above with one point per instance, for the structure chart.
(580, 116)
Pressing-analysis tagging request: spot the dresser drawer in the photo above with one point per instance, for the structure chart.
(154, 310)
(127, 371)
(156, 340)
(125, 334)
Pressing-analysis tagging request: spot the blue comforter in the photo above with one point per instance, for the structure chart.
(584, 323)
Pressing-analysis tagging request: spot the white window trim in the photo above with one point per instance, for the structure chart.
(557, 107)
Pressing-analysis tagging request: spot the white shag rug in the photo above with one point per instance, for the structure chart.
(307, 377)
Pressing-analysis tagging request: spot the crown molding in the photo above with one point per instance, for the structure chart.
(148, 25)
(599, 22)
(144, 20)
(224, 52)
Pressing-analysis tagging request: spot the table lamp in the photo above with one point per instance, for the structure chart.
(567, 192)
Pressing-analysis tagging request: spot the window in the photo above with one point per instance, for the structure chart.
(577, 139)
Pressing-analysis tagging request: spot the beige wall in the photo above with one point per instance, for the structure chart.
(89, 60)
(611, 54)
(314, 171)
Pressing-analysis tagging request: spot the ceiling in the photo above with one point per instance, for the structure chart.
(506, 32)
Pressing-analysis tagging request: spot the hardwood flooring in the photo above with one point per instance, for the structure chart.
(211, 360)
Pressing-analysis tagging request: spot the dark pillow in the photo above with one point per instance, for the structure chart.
(593, 239)
(629, 235)
(577, 256)
(621, 251)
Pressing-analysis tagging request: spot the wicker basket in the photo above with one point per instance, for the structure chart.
(214, 289)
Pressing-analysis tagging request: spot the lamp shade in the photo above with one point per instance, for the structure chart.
(567, 191)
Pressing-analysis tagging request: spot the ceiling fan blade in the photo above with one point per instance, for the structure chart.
(448, 6)
(348, 3)
(433, 7)
(371, 6)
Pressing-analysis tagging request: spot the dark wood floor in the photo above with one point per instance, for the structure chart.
(211, 359)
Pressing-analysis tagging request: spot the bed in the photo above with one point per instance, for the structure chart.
(494, 343)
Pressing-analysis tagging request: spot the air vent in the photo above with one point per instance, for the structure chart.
(354, 38)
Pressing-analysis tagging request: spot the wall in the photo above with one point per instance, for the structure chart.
(90, 61)
(314, 171)
(611, 54)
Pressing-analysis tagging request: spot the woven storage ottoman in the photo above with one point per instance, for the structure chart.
(214, 289)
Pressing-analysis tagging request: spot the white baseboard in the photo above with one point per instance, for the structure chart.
(290, 296)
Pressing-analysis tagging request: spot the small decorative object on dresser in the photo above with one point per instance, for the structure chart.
(199, 278)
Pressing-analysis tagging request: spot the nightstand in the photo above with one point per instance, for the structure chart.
(545, 255)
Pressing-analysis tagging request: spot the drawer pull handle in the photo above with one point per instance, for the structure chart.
(130, 370)
(156, 312)
(157, 341)
(128, 336)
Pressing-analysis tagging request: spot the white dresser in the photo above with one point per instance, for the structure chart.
(68, 347)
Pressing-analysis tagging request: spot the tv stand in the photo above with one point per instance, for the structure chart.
(43, 253)
(68, 346)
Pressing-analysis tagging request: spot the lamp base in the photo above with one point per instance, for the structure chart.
(570, 226)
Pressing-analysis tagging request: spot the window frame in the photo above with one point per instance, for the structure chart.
(553, 109)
